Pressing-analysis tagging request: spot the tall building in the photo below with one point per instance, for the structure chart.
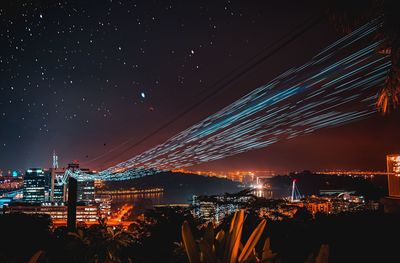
(58, 188)
(47, 184)
(85, 191)
(34, 185)
(393, 168)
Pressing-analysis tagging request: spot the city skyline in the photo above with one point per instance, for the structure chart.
(206, 131)
(84, 79)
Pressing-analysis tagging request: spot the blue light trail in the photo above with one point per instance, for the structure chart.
(336, 87)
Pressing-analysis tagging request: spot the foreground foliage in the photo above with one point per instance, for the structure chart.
(228, 247)
(352, 237)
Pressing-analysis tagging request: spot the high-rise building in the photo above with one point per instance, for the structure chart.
(34, 185)
(393, 168)
(58, 188)
(47, 184)
(85, 191)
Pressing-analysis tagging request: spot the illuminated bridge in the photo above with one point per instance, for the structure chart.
(336, 87)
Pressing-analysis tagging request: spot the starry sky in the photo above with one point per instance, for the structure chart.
(92, 78)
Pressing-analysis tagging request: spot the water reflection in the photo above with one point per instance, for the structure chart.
(169, 197)
(119, 200)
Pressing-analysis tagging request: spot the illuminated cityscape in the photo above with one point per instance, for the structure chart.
(199, 131)
(42, 193)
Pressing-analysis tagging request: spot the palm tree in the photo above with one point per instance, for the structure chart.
(348, 15)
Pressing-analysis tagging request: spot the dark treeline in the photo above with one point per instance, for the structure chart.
(187, 184)
(355, 237)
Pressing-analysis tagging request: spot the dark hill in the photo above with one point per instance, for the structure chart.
(180, 184)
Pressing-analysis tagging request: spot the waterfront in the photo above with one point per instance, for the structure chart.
(160, 198)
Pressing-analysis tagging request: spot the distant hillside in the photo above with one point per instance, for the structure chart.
(186, 184)
(310, 183)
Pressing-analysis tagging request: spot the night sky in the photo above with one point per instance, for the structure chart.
(84, 77)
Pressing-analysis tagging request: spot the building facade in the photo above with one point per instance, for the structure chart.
(9, 183)
(104, 204)
(57, 211)
(58, 192)
(34, 190)
(324, 207)
(393, 168)
(85, 191)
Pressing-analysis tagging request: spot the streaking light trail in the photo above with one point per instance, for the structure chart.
(336, 87)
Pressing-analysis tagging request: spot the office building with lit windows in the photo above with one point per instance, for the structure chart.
(34, 190)
(57, 211)
(85, 191)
